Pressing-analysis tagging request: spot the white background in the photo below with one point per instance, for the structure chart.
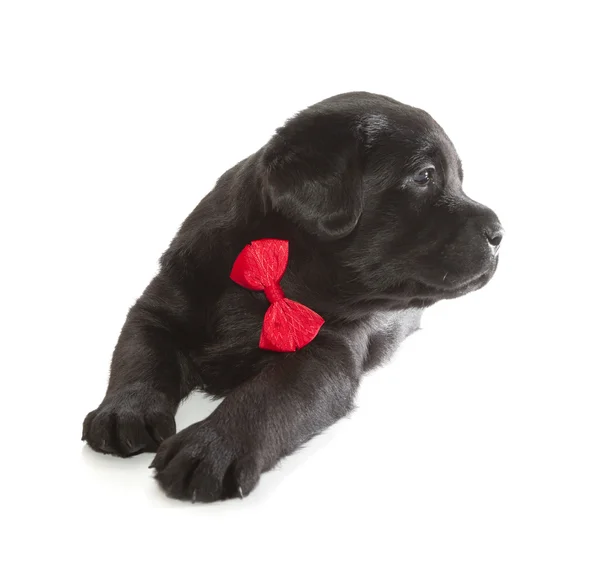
(477, 447)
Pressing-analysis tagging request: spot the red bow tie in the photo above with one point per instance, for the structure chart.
(287, 325)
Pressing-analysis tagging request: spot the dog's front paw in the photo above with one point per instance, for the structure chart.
(129, 422)
(205, 463)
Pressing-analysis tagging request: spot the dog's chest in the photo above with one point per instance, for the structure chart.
(375, 340)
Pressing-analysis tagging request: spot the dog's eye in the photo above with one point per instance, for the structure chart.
(424, 176)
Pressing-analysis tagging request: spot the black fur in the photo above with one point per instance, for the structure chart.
(371, 245)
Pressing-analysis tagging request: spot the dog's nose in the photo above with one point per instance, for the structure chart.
(494, 235)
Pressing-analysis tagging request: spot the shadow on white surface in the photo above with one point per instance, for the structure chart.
(195, 408)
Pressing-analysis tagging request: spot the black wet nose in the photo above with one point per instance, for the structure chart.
(494, 235)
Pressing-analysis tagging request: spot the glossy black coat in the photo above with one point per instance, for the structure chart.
(373, 241)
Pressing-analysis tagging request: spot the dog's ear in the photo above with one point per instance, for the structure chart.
(313, 175)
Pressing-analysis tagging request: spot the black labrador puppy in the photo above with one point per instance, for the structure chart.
(367, 191)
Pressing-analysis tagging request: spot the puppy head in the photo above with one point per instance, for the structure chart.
(383, 183)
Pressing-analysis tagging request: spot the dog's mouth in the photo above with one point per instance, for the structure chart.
(451, 286)
(423, 289)
(439, 291)
(416, 293)
(456, 280)
(468, 286)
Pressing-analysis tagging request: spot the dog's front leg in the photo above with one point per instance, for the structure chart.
(146, 384)
(296, 396)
